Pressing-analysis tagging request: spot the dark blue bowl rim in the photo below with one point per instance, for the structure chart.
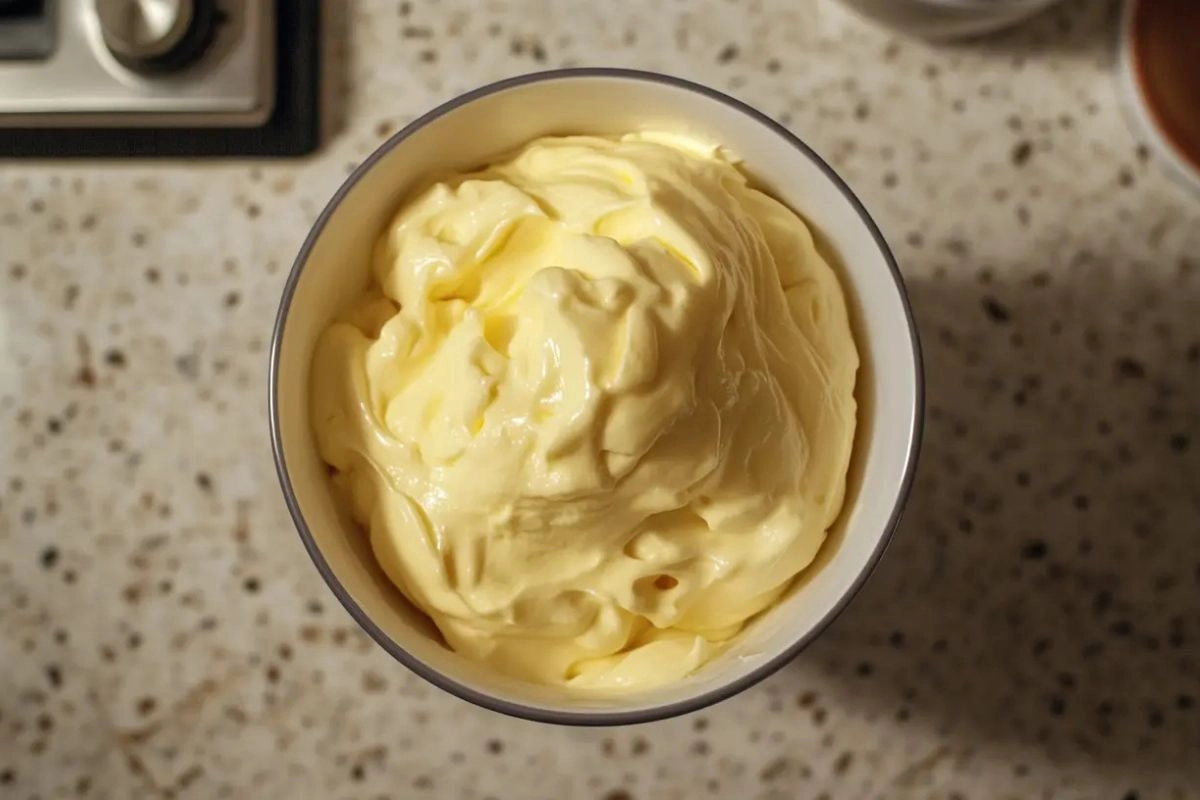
(586, 717)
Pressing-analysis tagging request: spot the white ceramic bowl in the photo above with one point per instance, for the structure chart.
(948, 19)
(332, 268)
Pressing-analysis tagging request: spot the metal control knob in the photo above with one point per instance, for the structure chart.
(156, 35)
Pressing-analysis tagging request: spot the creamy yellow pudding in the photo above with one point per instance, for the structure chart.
(596, 411)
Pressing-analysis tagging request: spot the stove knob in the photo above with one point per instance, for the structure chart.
(156, 35)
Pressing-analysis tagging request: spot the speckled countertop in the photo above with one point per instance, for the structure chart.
(1034, 631)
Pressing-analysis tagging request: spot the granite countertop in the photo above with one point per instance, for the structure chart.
(1033, 632)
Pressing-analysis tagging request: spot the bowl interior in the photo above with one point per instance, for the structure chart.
(1155, 88)
(333, 269)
